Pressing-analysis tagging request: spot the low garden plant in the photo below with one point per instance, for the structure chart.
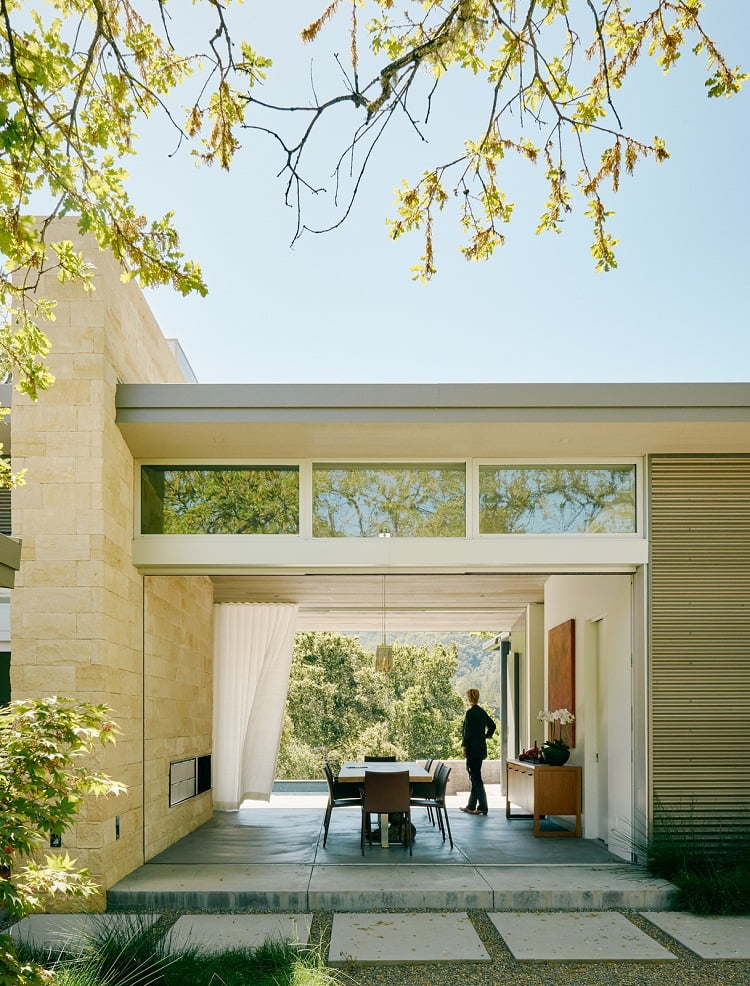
(140, 953)
(45, 773)
(710, 869)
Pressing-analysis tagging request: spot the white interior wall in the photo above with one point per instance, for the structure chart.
(607, 599)
(518, 714)
(527, 639)
(534, 691)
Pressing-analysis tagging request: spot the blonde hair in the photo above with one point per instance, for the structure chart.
(473, 696)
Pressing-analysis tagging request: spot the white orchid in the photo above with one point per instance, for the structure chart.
(563, 716)
(558, 719)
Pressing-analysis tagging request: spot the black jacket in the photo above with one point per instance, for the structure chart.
(477, 729)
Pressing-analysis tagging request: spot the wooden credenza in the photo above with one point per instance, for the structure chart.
(544, 790)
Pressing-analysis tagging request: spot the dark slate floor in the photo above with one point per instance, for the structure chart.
(294, 835)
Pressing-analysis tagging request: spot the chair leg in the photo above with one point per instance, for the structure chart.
(448, 825)
(440, 825)
(362, 834)
(326, 823)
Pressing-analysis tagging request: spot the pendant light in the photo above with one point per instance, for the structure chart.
(384, 652)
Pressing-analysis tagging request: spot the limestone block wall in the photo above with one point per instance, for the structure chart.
(178, 651)
(77, 609)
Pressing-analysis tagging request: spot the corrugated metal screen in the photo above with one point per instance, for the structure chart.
(700, 639)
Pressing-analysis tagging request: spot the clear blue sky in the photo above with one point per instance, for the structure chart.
(342, 307)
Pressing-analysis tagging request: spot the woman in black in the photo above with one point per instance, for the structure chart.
(477, 729)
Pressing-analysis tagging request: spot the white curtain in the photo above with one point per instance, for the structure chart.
(252, 655)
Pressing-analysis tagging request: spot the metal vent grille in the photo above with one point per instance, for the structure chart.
(700, 640)
(5, 515)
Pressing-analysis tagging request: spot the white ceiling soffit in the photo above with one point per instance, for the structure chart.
(453, 420)
(412, 602)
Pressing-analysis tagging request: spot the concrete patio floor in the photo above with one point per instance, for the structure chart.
(270, 857)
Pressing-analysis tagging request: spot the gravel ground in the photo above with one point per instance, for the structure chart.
(687, 970)
(503, 970)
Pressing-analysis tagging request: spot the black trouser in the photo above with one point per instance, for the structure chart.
(478, 796)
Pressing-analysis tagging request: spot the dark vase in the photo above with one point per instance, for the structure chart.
(555, 758)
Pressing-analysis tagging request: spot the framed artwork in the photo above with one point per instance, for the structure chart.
(561, 674)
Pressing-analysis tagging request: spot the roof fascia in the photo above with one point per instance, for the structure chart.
(449, 402)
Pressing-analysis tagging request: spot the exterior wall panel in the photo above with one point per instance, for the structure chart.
(700, 639)
(77, 609)
(178, 665)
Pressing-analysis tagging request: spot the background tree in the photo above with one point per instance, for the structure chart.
(548, 75)
(79, 81)
(426, 703)
(340, 707)
(334, 694)
(475, 667)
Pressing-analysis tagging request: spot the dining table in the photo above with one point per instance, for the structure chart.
(353, 772)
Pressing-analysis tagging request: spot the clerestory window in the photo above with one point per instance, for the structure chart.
(220, 499)
(363, 500)
(557, 499)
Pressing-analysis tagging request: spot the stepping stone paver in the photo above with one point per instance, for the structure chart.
(725, 937)
(219, 932)
(392, 938)
(576, 936)
(68, 932)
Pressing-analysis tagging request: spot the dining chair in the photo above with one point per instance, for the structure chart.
(424, 789)
(433, 799)
(386, 794)
(340, 795)
(373, 758)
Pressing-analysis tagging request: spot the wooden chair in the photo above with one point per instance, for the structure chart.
(386, 794)
(339, 796)
(433, 799)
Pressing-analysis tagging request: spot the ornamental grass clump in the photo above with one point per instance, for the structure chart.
(709, 864)
(142, 953)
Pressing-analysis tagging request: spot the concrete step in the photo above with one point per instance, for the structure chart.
(368, 887)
